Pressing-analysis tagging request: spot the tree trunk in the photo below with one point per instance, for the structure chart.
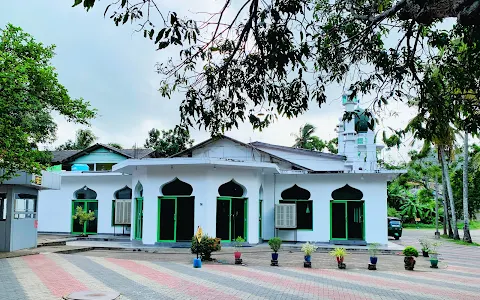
(437, 234)
(466, 226)
(446, 223)
(453, 220)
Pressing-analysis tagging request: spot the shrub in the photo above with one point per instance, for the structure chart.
(275, 244)
(308, 248)
(83, 216)
(410, 251)
(392, 212)
(206, 247)
(425, 243)
(373, 249)
(338, 252)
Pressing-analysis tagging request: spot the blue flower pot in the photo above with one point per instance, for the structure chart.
(373, 260)
(197, 263)
(274, 256)
(308, 258)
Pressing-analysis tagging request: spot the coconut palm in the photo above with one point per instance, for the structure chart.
(304, 136)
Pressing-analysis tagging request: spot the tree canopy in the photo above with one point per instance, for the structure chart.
(168, 142)
(275, 57)
(29, 93)
(84, 138)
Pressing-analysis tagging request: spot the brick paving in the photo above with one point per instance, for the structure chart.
(140, 275)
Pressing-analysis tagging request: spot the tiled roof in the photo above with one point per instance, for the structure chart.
(298, 150)
(65, 155)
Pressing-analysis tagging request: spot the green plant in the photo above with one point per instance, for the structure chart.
(425, 243)
(308, 248)
(392, 212)
(338, 252)
(206, 246)
(410, 251)
(275, 244)
(239, 242)
(373, 249)
(83, 216)
(434, 247)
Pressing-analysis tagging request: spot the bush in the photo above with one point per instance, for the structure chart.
(206, 247)
(410, 251)
(338, 252)
(239, 243)
(308, 248)
(392, 212)
(275, 244)
(373, 249)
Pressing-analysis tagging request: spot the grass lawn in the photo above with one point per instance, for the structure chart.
(473, 225)
(460, 242)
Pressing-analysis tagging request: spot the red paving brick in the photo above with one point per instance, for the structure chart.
(57, 280)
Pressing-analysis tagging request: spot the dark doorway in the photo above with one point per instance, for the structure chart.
(167, 219)
(355, 220)
(76, 227)
(185, 218)
(338, 226)
(231, 218)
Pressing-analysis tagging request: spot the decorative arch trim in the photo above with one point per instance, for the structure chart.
(347, 193)
(85, 193)
(232, 189)
(123, 193)
(138, 190)
(296, 192)
(176, 187)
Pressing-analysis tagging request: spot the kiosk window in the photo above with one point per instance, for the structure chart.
(25, 206)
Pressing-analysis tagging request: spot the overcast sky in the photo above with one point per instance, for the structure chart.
(113, 68)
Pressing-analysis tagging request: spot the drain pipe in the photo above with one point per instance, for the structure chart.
(274, 202)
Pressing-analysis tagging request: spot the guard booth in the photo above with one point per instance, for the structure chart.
(18, 209)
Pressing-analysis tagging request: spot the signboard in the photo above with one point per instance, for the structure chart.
(38, 180)
(198, 235)
(417, 219)
(35, 223)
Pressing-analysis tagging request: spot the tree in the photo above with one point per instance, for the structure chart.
(304, 136)
(168, 142)
(279, 55)
(115, 145)
(29, 93)
(84, 138)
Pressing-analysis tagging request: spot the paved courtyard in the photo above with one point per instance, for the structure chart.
(140, 275)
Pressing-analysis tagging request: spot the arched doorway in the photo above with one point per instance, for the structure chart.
(347, 217)
(84, 199)
(138, 224)
(176, 212)
(232, 219)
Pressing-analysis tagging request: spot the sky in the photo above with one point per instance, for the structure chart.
(114, 69)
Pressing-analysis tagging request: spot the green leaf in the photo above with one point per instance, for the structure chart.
(163, 45)
(123, 3)
(125, 18)
(160, 35)
(77, 2)
(150, 34)
(106, 9)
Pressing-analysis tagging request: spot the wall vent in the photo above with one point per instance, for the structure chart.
(123, 212)
(285, 216)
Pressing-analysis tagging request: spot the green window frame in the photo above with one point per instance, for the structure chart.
(304, 210)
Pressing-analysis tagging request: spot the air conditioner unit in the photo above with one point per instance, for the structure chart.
(123, 212)
(286, 216)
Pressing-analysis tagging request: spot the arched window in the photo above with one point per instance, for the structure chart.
(85, 193)
(124, 193)
(304, 206)
(347, 193)
(231, 189)
(176, 187)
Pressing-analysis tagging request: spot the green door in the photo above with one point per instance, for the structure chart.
(260, 214)
(138, 218)
(88, 227)
(347, 220)
(231, 218)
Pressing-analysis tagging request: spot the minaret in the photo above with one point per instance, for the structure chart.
(348, 136)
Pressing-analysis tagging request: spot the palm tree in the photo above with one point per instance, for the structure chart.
(84, 138)
(304, 136)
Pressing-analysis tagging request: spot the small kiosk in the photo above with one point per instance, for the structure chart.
(18, 209)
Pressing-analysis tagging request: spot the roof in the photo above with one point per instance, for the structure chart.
(298, 150)
(211, 140)
(69, 155)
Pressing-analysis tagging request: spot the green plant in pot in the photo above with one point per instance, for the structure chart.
(238, 246)
(434, 255)
(410, 253)
(308, 249)
(425, 243)
(275, 244)
(339, 253)
(373, 250)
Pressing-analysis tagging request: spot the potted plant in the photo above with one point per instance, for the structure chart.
(83, 216)
(425, 243)
(340, 254)
(434, 255)
(238, 245)
(410, 253)
(275, 244)
(373, 249)
(308, 249)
